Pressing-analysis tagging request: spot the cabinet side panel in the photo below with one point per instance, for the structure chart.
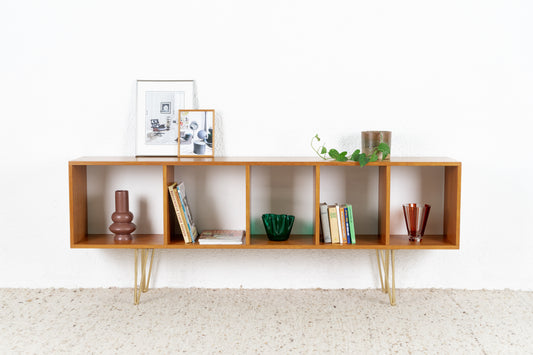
(169, 216)
(384, 204)
(78, 203)
(452, 204)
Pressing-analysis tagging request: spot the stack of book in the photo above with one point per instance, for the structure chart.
(221, 237)
(183, 212)
(338, 225)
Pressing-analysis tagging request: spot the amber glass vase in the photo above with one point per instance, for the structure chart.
(416, 218)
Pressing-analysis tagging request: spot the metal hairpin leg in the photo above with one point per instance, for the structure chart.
(142, 286)
(384, 261)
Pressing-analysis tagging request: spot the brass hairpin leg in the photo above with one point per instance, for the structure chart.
(386, 262)
(380, 273)
(392, 294)
(142, 286)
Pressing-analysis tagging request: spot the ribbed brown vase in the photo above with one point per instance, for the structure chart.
(122, 217)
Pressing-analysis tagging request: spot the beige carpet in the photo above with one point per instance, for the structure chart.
(200, 321)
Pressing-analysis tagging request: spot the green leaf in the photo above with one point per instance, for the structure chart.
(317, 137)
(334, 153)
(355, 155)
(363, 160)
(374, 156)
(384, 148)
(324, 150)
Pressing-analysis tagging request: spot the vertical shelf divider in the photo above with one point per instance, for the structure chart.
(248, 204)
(169, 222)
(384, 204)
(316, 181)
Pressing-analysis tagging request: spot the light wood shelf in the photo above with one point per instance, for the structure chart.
(449, 239)
(140, 241)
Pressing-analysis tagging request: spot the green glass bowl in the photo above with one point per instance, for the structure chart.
(278, 226)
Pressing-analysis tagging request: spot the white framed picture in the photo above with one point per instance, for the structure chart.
(158, 103)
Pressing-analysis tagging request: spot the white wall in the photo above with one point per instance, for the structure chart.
(449, 78)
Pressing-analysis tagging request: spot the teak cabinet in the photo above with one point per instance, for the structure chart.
(449, 212)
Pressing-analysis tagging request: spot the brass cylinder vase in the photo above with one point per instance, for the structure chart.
(371, 139)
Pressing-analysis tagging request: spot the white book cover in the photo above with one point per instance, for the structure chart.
(233, 237)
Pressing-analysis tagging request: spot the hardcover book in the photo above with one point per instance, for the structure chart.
(351, 223)
(334, 224)
(227, 237)
(347, 225)
(339, 224)
(186, 209)
(325, 222)
(343, 225)
(179, 213)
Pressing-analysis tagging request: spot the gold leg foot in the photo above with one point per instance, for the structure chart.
(386, 272)
(142, 286)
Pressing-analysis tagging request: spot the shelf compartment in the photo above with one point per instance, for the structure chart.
(281, 190)
(139, 241)
(365, 189)
(216, 200)
(145, 198)
(437, 185)
(295, 241)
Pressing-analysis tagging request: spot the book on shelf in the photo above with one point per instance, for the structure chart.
(324, 219)
(334, 224)
(193, 231)
(343, 225)
(339, 224)
(221, 237)
(180, 214)
(351, 222)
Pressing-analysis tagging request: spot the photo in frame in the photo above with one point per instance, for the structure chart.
(196, 133)
(158, 103)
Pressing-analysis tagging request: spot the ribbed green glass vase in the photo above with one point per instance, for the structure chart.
(278, 226)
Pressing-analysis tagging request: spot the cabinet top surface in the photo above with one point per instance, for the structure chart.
(312, 161)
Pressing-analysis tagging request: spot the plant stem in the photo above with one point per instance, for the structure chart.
(317, 151)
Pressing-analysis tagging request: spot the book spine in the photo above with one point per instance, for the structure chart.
(347, 225)
(325, 223)
(193, 232)
(179, 213)
(333, 224)
(351, 222)
(343, 225)
(339, 224)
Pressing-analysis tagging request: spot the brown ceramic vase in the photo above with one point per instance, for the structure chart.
(122, 217)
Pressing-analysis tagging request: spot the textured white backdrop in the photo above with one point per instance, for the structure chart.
(448, 78)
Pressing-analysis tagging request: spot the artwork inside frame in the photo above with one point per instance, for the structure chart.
(158, 103)
(196, 133)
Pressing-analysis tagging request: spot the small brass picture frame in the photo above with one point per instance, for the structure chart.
(196, 136)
